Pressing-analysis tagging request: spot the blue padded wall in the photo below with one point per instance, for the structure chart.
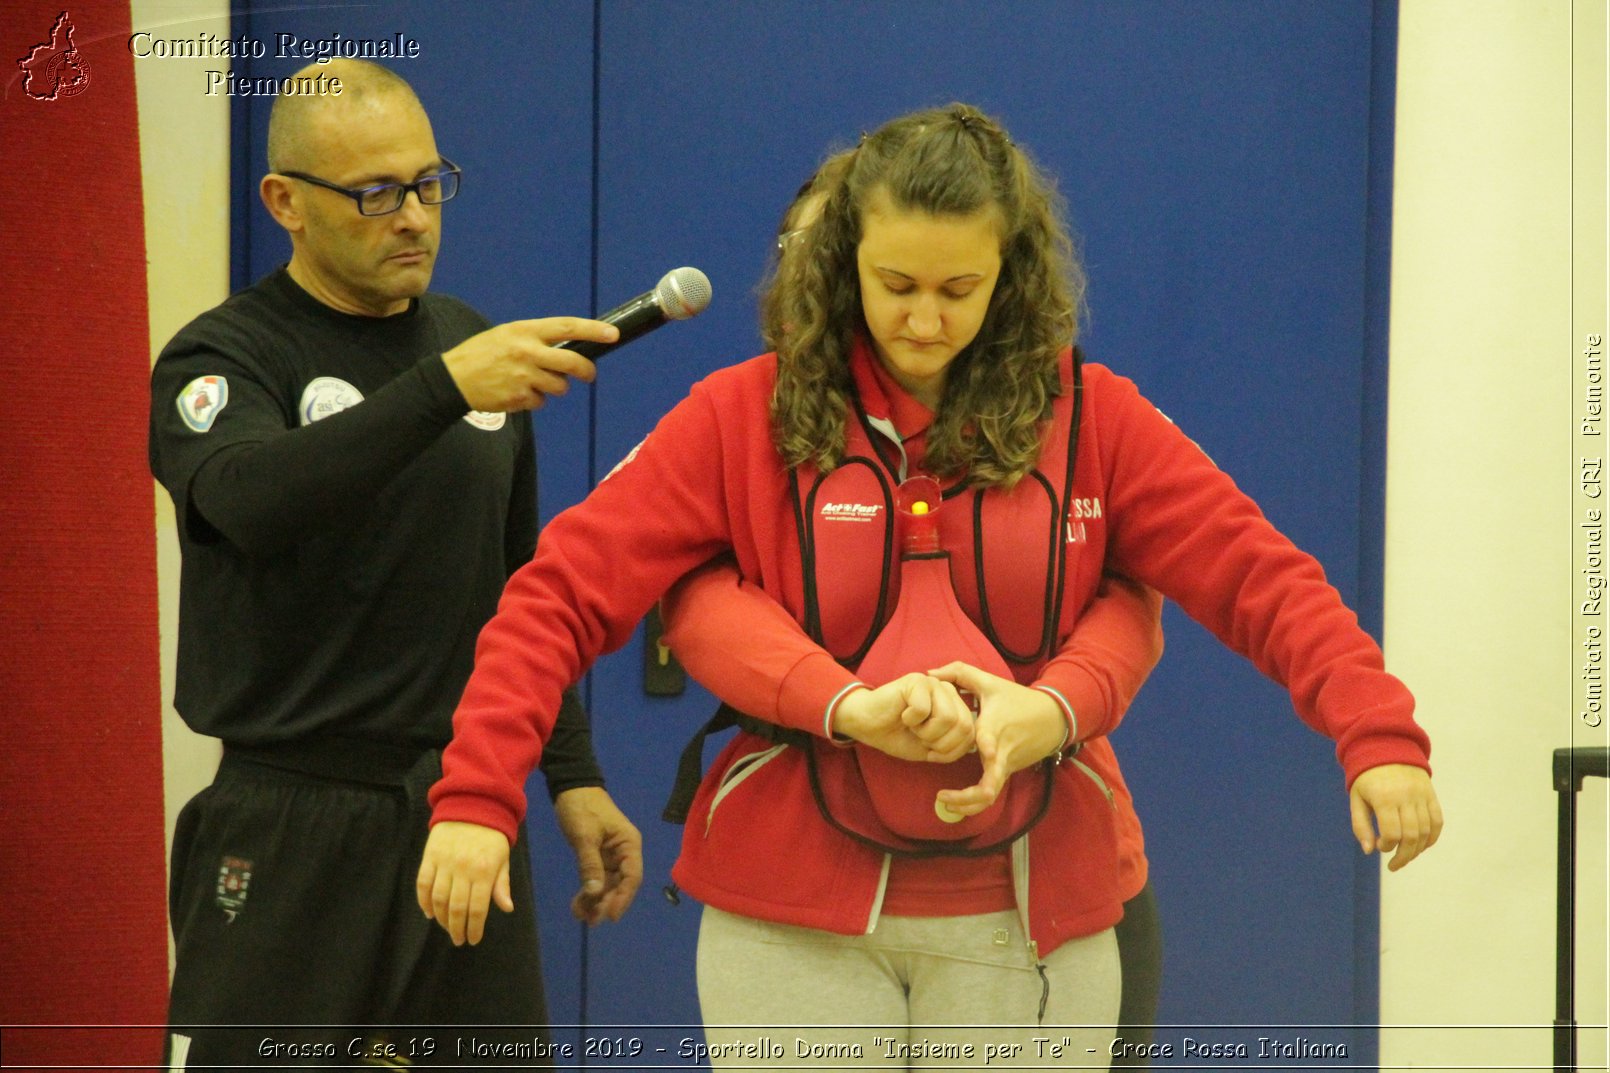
(1227, 168)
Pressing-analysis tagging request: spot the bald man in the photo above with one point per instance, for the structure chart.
(354, 476)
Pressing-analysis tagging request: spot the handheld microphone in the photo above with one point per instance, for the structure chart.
(680, 294)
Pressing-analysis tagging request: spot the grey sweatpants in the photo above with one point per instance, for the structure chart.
(917, 993)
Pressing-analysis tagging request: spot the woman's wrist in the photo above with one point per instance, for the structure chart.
(1066, 722)
(845, 714)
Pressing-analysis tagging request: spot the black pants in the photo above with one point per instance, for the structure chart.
(1140, 955)
(293, 912)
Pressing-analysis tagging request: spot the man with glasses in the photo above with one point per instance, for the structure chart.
(353, 473)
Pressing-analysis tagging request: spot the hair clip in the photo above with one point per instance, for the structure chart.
(974, 123)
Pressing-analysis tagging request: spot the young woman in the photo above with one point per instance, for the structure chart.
(926, 331)
(1120, 630)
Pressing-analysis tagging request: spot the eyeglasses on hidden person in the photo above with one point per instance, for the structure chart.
(383, 199)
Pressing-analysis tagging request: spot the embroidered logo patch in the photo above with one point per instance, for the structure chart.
(325, 396)
(489, 421)
(201, 400)
(234, 880)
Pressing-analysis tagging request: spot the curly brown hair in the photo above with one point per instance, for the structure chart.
(952, 161)
(801, 213)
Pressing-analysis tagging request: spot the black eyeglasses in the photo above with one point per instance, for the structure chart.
(387, 198)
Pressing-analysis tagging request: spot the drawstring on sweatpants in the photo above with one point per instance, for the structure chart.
(1045, 991)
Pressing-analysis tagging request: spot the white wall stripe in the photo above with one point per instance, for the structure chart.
(1480, 478)
(184, 163)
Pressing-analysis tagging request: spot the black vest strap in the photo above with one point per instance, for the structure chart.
(690, 768)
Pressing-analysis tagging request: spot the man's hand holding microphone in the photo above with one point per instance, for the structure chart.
(516, 366)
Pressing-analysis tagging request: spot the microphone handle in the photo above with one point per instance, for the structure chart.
(638, 317)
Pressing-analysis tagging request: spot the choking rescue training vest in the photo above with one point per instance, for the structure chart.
(1013, 598)
(1018, 569)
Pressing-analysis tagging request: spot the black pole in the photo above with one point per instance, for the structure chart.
(1565, 918)
(1571, 766)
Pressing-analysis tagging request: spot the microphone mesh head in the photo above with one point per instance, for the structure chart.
(682, 293)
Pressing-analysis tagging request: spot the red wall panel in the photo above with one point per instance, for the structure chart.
(81, 846)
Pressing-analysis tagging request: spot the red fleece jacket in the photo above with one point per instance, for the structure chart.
(707, 480)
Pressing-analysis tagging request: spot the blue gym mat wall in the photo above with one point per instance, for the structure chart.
(1228, 171)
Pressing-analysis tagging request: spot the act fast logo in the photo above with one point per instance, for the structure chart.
(850, 512)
